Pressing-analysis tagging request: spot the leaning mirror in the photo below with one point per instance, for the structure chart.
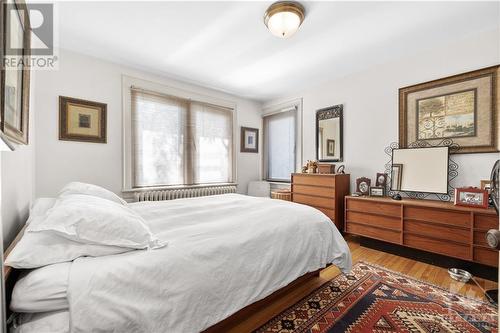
(329, 137)
(420, 170)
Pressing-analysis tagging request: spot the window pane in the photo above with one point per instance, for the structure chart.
(280, 145)
(211, 143)
(158, 124)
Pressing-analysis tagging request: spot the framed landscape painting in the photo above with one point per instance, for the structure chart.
(15, 44)
(463, 108)
(81, 120)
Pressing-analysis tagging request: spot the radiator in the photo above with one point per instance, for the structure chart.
(178, 193)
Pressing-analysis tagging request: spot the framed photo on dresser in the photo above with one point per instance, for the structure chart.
(471, 197)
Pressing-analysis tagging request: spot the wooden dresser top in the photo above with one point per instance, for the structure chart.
(319, 174)
(425, 203)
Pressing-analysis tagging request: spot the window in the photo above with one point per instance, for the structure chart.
(176, 141)
(280, 139)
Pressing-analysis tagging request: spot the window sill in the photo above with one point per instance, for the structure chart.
(175, 187)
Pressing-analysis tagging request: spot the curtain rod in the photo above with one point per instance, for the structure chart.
(151, 92)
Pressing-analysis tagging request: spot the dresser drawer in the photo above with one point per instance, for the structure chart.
(315, 180)
(486, 256)
(314, 190)
(480, 238)
(374, 207)
(374, 220)
(439, 216)
(314, 201)
(485, 222)
(438, 231)
(328, 212)
(438, 246)
(373, 232)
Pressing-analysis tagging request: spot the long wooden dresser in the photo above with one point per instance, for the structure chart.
(325, 192)
(433, 226)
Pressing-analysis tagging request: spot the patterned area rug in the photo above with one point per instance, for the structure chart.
(373, 299)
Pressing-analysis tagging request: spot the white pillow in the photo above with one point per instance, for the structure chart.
(92, 220)
(42, 289)
(40, 207)
(37, 249)
(90, 189)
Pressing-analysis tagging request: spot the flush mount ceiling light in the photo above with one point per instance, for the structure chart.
(283, 18)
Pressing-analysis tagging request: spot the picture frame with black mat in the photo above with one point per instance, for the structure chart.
(249, 142)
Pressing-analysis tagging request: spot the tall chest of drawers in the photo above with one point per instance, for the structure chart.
(324, 192)
(432, 226)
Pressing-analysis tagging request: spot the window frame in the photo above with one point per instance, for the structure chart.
(160, 88)
(275, 109)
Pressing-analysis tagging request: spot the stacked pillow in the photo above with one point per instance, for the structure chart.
(84, 220)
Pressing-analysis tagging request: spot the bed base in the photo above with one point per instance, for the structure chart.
(247, 311)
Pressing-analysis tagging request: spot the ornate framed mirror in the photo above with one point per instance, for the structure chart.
(329, 134)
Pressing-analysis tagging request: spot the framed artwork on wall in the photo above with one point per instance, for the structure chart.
(461, 107)
(81, 120)
(15, 78)
(249, 140)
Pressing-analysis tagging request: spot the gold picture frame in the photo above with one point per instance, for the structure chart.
(15, 83)
(82, 120)
(463, 108)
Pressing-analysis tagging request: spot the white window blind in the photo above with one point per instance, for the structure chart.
(279, 143)
(179, 142)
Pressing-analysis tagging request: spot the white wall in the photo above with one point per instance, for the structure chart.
(18, 181)
(370, 101)
(81, 76)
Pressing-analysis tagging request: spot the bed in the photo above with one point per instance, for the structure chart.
(223, 253)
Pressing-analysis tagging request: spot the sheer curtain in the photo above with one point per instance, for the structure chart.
(212, 137)
(279, 143)
(179, 142)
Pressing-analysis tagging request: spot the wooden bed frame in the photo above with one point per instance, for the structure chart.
(11, 275)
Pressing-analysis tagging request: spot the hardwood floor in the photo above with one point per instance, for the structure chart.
(425, 272)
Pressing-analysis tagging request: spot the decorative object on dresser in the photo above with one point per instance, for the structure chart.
(282, 194)
(15, 79)
(486, 185)
(249, 141)
(471, 197)
(329, 134)
(428, 225)
(381, 179)
(377, 191)
(311, 166)
(363, 185)
(421, 170)
(462, 107)
(82, 120)
(341, 169)
(326, 168)
(324, 192)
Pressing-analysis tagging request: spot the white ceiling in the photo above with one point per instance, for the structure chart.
(225, 45)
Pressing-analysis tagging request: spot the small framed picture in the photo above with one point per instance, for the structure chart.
(396, 175)
(381, 179)
(471, 197)
(377, 191)
(363, 185)
(486, 185)
(81, 120)
(249, 140)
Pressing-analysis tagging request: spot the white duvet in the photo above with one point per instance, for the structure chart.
(224, 252)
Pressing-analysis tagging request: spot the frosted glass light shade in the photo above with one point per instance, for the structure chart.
(284, 18)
